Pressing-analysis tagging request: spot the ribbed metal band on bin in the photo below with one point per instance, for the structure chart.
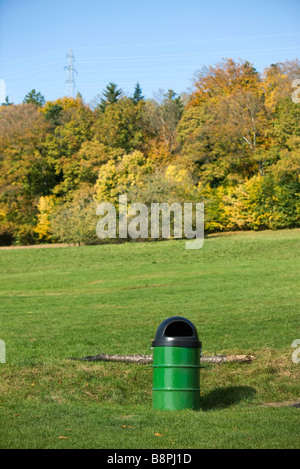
(175, 389)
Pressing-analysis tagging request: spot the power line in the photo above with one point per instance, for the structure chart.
(264, 36)
(33, 57)
(29, 80)
(157, 44)
(188, 55)
(34, 68)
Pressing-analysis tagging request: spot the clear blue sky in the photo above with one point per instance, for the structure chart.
(158, 43)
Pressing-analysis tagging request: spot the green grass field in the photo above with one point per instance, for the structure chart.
(240, 290)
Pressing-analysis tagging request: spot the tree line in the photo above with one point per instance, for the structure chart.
(233, 143)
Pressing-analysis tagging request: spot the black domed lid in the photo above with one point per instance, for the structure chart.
(176, 332)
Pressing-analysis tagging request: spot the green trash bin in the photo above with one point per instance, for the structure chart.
(176, 365)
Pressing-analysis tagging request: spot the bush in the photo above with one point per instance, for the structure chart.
(257, 204)
(75, 221)
(25, 235)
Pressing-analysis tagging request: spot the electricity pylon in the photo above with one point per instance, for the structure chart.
(71, 72)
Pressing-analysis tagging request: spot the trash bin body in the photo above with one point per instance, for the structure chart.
(176, 365)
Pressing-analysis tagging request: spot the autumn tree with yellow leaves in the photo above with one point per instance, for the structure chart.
(233, 143)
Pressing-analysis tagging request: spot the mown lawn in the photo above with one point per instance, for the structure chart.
(240, 290)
